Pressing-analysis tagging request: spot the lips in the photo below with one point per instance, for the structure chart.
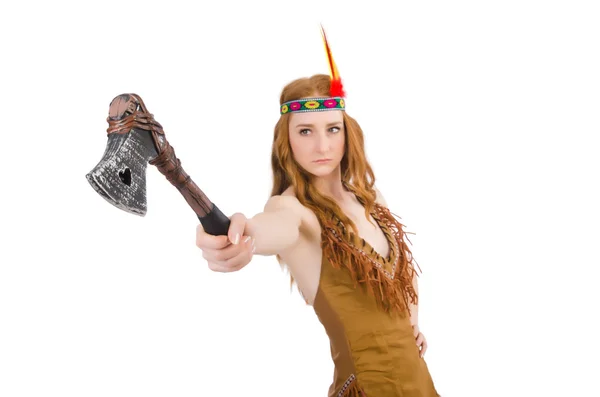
(321, 161)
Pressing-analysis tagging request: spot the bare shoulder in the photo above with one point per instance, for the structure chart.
(380, 199)
(282, 202)
(288, 199)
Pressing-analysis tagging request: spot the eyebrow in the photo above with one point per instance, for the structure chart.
(312, 125)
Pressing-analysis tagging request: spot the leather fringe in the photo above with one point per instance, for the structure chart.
(392, 294)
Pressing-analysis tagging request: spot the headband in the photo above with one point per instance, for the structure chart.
(313, 105)
(335, 101)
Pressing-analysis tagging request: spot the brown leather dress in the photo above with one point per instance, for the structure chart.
(363, 306)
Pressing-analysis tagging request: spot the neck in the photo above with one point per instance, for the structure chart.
(331, 185)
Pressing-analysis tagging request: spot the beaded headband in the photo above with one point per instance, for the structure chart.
(313, 105)
(336, 91)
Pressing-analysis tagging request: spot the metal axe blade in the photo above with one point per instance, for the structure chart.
(120, 176)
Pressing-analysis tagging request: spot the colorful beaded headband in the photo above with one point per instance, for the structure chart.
(313, 105)
(336, 91)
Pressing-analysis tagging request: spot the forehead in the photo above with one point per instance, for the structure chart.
(316, 118)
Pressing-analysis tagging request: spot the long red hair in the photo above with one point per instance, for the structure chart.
(356, 173)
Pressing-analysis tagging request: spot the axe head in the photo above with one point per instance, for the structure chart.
(120, 176)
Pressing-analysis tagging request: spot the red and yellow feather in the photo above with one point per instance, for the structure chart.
(337, 88)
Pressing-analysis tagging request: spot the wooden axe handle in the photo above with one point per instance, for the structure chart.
(213, 220)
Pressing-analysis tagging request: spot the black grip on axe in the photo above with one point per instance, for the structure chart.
(215, 222)
(134, 140)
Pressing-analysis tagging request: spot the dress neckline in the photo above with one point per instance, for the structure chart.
(386, 264)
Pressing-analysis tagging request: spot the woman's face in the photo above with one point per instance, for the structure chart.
(317, 140)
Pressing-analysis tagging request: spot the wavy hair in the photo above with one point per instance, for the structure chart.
(356, 173)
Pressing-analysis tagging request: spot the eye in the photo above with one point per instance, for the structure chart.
(304, 131)
(334, 129)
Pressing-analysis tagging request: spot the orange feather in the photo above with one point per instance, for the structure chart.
(337, 88)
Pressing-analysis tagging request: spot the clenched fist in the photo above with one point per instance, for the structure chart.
(226, 253)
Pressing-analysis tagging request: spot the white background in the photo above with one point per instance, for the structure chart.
(480, 119)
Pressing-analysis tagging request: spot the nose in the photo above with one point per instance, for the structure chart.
(323, 143)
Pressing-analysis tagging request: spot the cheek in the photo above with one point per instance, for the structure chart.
(341, 143)
(293, 144)
(297, 147)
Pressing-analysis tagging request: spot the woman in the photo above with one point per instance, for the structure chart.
(327, 222)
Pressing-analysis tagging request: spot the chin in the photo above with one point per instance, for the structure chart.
(320, 173)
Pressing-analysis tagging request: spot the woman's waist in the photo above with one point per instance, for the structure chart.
(380, 361)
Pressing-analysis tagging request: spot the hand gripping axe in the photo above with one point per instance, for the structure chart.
(135, 139)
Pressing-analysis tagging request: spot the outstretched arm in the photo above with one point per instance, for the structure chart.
(277, 228)
(270, 232)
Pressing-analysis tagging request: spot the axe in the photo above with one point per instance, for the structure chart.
(135, 139)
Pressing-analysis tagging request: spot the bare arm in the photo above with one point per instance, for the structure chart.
(270, 232)
(277, 228)
(414, 308)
